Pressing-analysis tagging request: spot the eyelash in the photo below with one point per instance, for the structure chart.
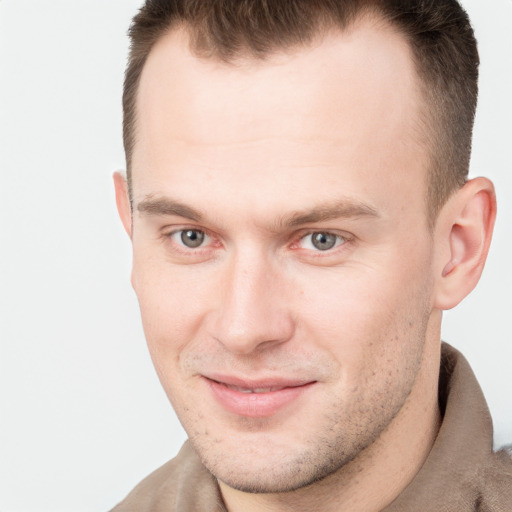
(183, 248)
(342, 241)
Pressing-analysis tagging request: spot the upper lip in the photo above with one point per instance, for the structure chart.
(261, 383)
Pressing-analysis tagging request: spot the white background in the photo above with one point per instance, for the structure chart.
(82, 415)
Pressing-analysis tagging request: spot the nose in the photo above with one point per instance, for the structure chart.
(252, 312)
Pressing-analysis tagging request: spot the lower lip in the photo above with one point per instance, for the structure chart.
(255, 405)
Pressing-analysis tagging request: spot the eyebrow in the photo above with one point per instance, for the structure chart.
(167, 206)
(344, 208)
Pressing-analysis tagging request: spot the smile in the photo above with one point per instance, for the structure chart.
(256, 390)
(256, 399)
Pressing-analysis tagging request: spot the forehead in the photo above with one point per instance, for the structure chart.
(369, 63)
(347, 103)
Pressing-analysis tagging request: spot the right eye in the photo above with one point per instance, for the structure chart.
(190, 238)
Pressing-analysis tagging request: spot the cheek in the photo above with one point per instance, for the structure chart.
(367, 318)
(173, 302)
(346, 303)
(171, 317)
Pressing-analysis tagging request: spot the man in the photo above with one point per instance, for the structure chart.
(298, 203)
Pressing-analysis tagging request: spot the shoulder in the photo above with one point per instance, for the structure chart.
(496, 488)
(172, 486)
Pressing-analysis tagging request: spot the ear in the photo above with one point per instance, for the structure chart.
(464, 228)
(123, 201)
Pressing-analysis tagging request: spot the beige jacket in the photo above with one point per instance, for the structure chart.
(461, 473)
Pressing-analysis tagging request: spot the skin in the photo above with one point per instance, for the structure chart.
(257, 155)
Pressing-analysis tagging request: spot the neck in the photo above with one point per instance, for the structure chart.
(377, 475)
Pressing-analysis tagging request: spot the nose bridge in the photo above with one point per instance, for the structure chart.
(252, 311)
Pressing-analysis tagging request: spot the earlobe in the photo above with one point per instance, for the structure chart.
(468, 220)
(123, 201)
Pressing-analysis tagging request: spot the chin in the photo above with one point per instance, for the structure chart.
(273, 482)
(274, 470)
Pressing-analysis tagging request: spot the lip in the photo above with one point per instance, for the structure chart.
(238, 397)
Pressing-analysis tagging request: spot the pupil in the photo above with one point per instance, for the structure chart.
(192, 238)
(324, 241)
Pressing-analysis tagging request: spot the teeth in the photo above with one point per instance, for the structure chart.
(256, 390)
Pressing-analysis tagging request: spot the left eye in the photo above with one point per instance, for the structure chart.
(321, 241)
(191, 238)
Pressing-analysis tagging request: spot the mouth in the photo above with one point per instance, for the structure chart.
(249, 390)
(256, 399)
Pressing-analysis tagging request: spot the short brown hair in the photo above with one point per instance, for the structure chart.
(438, 31)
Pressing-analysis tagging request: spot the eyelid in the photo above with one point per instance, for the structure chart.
(178, 240)
(344, 237)
(169, 235)
(338, 238)
(213, 241)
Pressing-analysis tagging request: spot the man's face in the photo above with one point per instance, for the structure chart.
(282, 258)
